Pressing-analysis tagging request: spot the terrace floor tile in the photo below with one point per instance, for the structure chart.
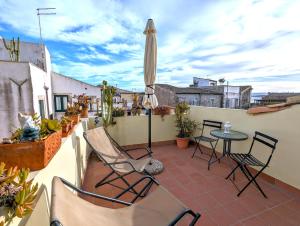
(207, 191)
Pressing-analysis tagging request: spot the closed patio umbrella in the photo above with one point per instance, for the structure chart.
(150, 59)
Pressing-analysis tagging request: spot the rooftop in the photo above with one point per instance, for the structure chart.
(207, 192)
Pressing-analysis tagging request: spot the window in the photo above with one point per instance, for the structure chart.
(61, 103)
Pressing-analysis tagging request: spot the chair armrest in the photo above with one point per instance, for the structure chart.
(93, 194)
(195, 216)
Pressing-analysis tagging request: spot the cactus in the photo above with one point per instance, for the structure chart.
(13, 48)
(108, 93)
(16, 193)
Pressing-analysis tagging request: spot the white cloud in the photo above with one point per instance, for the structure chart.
(236, 40)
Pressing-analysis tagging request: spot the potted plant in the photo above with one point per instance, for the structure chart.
(32, 148)
(17, 194)
(83, 103)
(185, 125)
(66, 125)
(73, 113)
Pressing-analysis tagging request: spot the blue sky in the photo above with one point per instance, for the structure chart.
(246, 42)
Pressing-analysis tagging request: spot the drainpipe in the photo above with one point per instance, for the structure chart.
(47, 99)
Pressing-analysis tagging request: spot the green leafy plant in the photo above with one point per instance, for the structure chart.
(16, 193)
(49, 126)
(185, 126)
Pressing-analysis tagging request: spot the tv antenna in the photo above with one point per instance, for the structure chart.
(43, 12)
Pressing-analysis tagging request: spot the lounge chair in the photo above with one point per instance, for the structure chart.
(120, 163)
(127, 151)
(159, 208)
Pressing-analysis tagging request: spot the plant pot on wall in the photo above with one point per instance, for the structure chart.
(182, 143)
(33, 155)
(74, 118)
(84, 112)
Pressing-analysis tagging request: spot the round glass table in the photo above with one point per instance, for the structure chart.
(232, 135)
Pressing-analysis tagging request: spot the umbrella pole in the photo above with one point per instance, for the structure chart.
(149, 129)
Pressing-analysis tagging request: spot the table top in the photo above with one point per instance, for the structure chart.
(232, 135)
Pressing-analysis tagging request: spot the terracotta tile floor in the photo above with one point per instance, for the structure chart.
(207, 192)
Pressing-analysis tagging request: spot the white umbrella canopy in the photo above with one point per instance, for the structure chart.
(150, 60)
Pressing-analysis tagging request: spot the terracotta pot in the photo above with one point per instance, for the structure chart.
(66, 129)
(32, 155)
(74, 118)
(84, 113)
(182, 143)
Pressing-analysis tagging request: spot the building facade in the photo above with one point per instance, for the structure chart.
(234, 96)
(30, 86)
(171, 95)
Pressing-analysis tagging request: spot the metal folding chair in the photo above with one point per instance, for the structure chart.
(245, 160)
(212, 141)
(121, 165)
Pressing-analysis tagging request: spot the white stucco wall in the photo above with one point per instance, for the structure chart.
(11, 102)
(38, 78)
(63, 85)
(29, 52)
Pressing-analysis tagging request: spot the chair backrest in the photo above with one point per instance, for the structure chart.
(113, 141)
(102, 146)
(210, 123)
(266, 140)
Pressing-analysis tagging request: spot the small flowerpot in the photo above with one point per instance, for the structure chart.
(182, 143)
(84, 113)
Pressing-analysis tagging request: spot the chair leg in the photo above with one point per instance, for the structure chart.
(197, 146)
(119, 176)
(104, 179)
(213, 148)
(253, 180)
(234, 169)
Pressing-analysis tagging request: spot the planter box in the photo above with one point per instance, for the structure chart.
(66, 129)
(32, 155)
(163, 110)
(74, 118)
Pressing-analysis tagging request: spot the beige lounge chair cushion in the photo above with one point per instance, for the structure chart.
(100, 142)
(159, 208)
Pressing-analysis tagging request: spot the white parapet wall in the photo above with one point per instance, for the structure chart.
(130, 130)
(283, 125)
(69, 163)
